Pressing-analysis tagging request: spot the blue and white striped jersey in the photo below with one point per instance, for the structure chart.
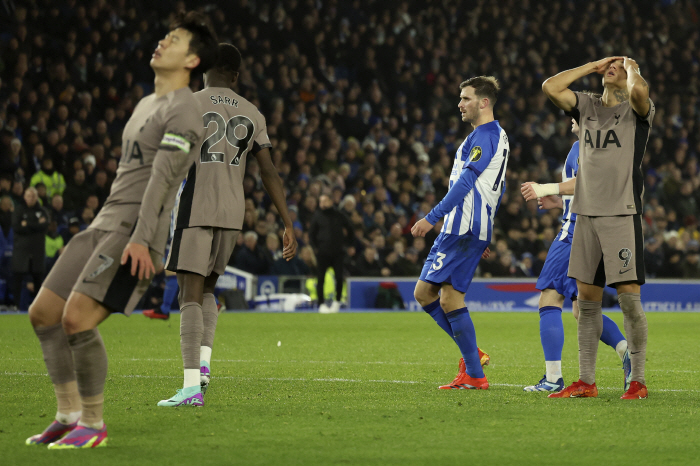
(477, 183)
(568, 220)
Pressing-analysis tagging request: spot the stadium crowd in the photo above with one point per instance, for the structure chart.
(360, 98)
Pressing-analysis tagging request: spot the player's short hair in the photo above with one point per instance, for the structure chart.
(484, 87)
(203, 42)
(229, 60)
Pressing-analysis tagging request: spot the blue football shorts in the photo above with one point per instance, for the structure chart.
(453, 259)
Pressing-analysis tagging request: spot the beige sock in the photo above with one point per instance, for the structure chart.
(68, 400)
(636, 332)
(590, 328)
(93, 407)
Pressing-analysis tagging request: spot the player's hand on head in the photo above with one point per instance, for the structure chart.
(529, 190)
(486, 254)
(289, 243)
(602, 65)
(629, 63)
(421, 227)
(141, 262)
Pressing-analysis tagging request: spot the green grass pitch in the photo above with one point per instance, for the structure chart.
(360, 388)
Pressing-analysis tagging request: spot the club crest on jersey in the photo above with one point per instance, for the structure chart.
(475, 154)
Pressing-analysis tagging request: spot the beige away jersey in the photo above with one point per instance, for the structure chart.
(159, 142)
(612, 141)
(213, 193)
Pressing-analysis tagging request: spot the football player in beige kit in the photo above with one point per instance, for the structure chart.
(210, 214)
(108, 267)
(608, 246)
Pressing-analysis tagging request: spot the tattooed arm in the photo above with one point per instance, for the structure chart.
(637, 88)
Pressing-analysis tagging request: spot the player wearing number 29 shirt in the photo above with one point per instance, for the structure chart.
(210, 214)
(477, 184)
(608, 246)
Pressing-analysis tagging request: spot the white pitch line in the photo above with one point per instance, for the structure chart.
(398, 363)
(330, 379)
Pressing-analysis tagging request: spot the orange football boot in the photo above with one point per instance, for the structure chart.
(579, 389)
(464, 381)
(637, 391)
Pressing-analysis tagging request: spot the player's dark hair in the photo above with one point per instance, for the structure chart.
(229, 60)
(203, 42)
(484, 87)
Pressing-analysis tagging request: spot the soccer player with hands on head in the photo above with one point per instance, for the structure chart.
(477, 184)
(553, 282)
(608, 244)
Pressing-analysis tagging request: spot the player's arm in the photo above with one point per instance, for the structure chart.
(557, 87)
(168, 166)
(454, 196)
(531, 190)
(637, 88)
(275, 189)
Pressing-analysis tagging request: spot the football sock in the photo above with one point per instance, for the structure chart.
(465, 337)
(92, 412)
(57, 353)
(205, 354)
(68, 409)
(552, 338)
(435, 311)
(210, 315)
(590, 327)
(553, 370)
(191, 330)
(621, 349)
(169, 294)
(90, 359)
(612, 335)
(636, 330)
(191, 378)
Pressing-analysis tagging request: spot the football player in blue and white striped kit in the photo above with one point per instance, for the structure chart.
(477, 184)
(554, 283)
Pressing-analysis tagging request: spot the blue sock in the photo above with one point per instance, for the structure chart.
(169, 294)
(465, 337)
(438, 315)
(611, 333)
(551, 332)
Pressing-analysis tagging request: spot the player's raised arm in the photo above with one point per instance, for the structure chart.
(557, 87)
(274, 187)
(637, 88)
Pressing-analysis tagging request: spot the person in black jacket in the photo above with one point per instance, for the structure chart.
(329, 232)
(29, 222)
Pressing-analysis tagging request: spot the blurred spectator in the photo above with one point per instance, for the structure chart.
(250, 258)
(57, 212)
(6, 208)
(72, 230)
(29, 223)
(368, 265)
(76, 193)
(52, 179)
(54, 245)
